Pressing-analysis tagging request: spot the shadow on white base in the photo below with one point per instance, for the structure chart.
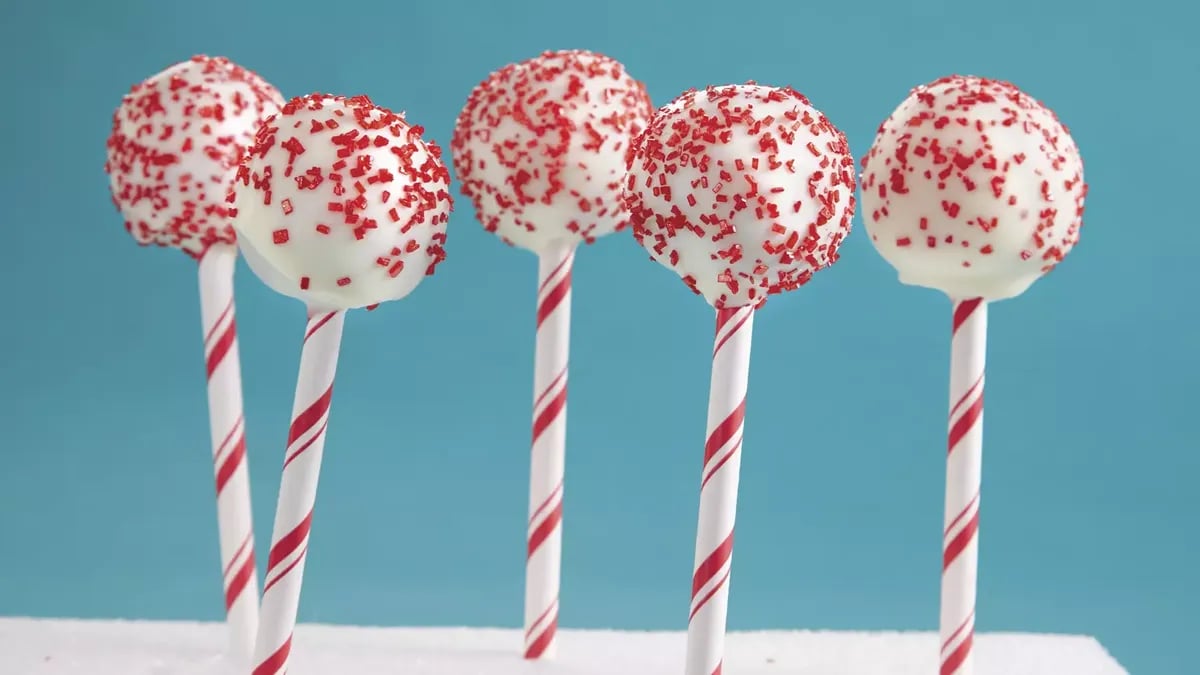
(71, 647)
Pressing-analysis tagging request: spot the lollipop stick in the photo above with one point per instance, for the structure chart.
(960, 543)
(718, 491)
(543, 561)
(226, 424)
(297, 492)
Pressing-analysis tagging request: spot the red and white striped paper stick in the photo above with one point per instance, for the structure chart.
(960, 544)
(297, 492)
(543, 561)
(718, 491)
(227, 426)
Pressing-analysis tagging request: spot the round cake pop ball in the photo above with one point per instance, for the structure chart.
(341, 204)
(540, 148)
(742, 190)
(973, 188)
(174, 146)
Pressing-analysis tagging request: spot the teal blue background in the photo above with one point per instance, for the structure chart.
(1090, 504)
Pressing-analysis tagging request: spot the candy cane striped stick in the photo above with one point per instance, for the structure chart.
(718, 491)
(960, 544)
(543, 561)
(234, 517)
(298, 492)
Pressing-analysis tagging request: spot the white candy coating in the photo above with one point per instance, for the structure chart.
(743, 190)
(540, 148)
(340, 203)
(173, 150)
(973, 188)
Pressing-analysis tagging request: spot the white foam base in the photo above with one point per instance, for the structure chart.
(70, 647)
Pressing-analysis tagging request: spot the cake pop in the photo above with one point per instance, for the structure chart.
(340, 204)
(975, 189)
(171, 159)
(539, 149)
(744, 191)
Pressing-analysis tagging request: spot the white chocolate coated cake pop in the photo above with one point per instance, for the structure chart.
(174, 148)
(341, 204)
(742, 190)
(973, 188)
(540, 148)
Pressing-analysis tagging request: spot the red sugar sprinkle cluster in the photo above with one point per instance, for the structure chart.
(173, 148)
(550, 123)
(359, 192)
(953, 139)
(755, 177)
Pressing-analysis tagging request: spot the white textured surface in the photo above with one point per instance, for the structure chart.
(70, 647)
(404, 188)
(972, 188)
(759, 191)
(550, 175)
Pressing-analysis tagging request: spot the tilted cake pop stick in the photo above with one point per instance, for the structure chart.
(298, 489)
(744, 191)
(171, 159)
(540, 150)
(719, 489)
(341, 204)
(975, 189)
